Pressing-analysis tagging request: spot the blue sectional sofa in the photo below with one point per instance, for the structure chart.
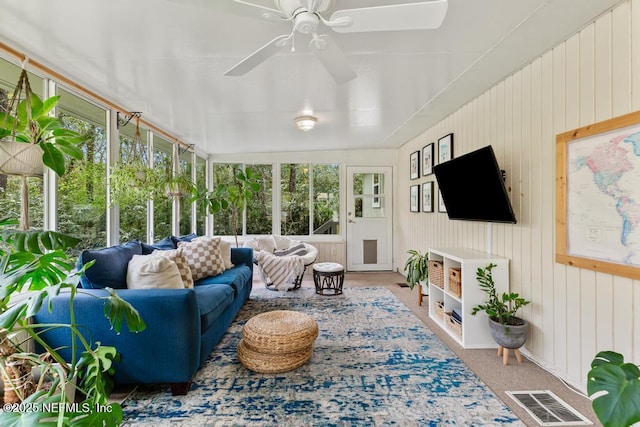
(183, 325)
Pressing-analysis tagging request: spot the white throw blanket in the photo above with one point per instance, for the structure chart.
(279, 270)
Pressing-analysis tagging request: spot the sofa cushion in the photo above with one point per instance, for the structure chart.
(212, 299)
(178, 257)
(204, 257)
(153, 271)
(110, 267)
(164, 244)
(184, 238)
(266, 243)
(236, 277)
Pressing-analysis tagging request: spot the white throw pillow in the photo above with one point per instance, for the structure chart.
(153, 272)
(180, 260)
(281, 242)
(266, 243)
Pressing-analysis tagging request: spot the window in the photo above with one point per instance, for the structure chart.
(186, 167)
(326, 199)
(162, 206)
(10, 186)
(294, 205)
(224, 173)
(201, 182)
(133, 216)
(259, 209)
(82, 203)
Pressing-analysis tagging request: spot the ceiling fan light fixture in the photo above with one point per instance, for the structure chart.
(306, 123)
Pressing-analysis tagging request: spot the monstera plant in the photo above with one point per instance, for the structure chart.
(615, 388)
(34, 266)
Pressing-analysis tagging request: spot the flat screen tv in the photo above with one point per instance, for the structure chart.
(472, 188)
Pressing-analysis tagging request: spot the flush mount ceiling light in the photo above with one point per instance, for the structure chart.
(305, 123)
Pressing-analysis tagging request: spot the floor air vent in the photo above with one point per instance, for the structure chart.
(548, 409)
(403, 284)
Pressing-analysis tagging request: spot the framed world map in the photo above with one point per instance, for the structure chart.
(598, 196)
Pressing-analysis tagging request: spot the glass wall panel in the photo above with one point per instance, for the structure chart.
(294, 185)
(82, 191)
(201, 182)
(326, 199)
(10, 186)
(259, 209)
(224, 173)
(133, 215)
(186, 167)
(162, 206)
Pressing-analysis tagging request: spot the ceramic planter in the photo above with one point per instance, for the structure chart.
(509, 336)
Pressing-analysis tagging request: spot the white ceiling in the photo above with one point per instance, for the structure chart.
(167, 58)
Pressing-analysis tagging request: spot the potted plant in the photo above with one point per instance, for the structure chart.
(508, 330)
(614, 387)
(234, 197)
(34, 266)
(417, 271)
(27, 121)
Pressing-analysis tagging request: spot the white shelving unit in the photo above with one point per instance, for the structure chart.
(474, 330)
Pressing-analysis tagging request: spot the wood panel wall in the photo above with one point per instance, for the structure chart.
(592, 76)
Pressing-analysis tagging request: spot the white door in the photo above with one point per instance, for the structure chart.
(369, 221)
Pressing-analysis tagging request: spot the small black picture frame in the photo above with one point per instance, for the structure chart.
(414, 165)
(427, 196)
(445, 148)
(414, 198)
(427, 159)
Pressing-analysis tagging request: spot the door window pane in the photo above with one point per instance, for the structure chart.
(368, 191)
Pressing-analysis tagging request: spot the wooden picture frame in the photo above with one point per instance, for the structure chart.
(427, 159)
(445, 148)
(427, 196)
(414, 198)
(414, 165)
(596, 194)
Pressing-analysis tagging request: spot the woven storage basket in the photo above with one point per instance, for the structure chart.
(455, 282)
(440, 310)
(454, 325)
(436, 273)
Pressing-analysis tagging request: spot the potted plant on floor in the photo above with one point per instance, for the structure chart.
(614, 387)
(35, 266)
(417, 269)
(508, 330)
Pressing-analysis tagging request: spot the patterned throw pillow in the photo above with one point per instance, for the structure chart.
(225, 249)
(298, 249)
(203, 256)
(177, 256)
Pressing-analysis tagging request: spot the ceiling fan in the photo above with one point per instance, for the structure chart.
(308, 17)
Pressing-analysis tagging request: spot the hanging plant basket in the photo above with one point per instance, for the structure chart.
(20, 158)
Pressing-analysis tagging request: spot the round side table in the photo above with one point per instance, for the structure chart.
(328, 278)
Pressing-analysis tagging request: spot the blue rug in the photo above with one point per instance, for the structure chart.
(374, 364)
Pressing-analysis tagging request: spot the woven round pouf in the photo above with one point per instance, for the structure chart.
(277, 341)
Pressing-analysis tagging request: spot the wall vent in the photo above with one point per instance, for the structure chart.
(548, 409)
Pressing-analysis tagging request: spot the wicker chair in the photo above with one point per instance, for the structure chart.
(280, 245)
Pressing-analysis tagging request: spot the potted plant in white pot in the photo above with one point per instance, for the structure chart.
(508, 330)
(417, 269)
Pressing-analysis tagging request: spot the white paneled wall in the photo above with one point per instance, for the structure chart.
(592, 76)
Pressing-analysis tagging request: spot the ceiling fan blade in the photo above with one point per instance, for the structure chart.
(397, 17)
(333, 59)
(258, 57)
